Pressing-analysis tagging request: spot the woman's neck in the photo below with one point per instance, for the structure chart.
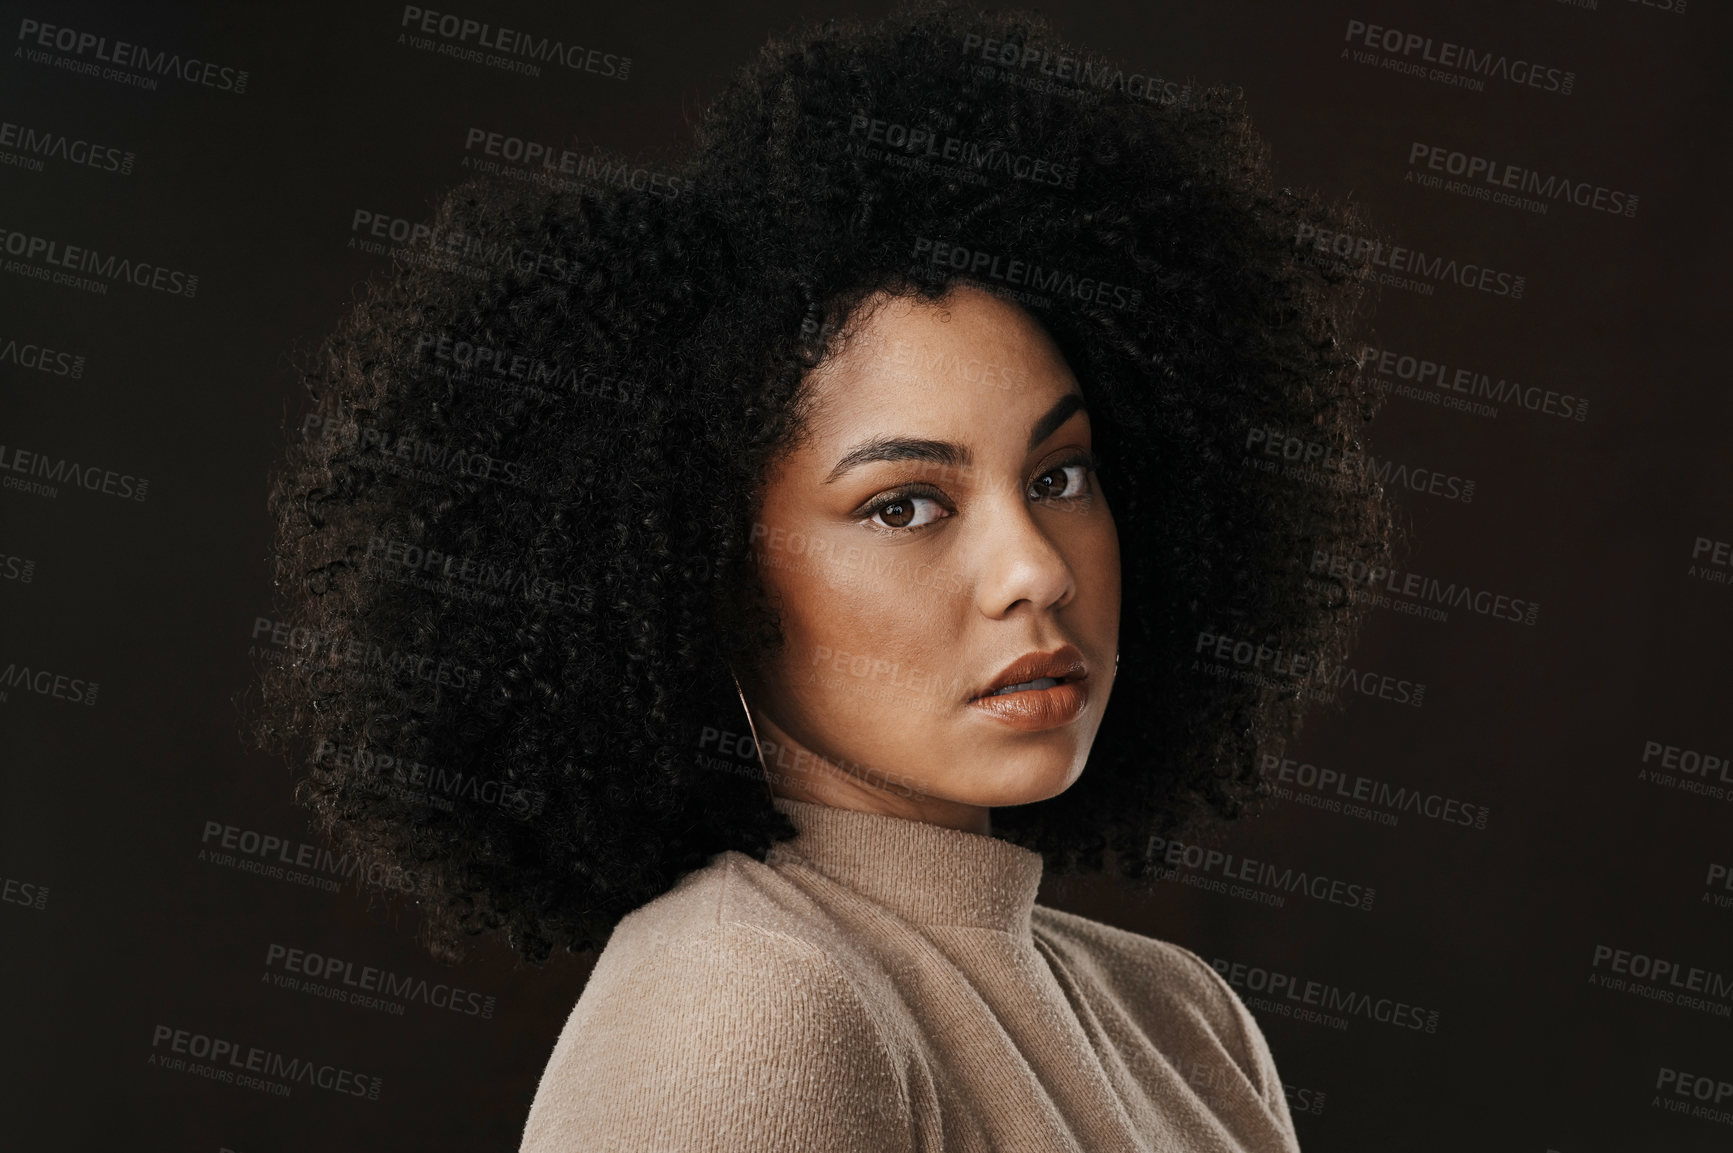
(802, 775)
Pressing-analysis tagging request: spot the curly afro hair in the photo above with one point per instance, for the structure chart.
(511, 545)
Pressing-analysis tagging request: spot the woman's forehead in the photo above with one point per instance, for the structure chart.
(971, 360)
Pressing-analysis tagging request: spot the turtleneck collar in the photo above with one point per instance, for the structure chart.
(927, 874)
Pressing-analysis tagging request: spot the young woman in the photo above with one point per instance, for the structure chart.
(738, 579)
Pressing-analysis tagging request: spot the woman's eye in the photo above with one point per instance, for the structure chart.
(904, 512)
(901, 512)
(1074, 481)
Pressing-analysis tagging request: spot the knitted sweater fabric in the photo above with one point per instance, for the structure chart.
(882, 985)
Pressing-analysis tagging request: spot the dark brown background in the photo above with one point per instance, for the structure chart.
(1544, 724)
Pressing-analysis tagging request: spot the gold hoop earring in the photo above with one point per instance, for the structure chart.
(757, 749)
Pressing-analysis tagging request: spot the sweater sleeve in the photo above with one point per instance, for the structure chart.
(1258, 1061)
(737, 1038)
(1274, 1095)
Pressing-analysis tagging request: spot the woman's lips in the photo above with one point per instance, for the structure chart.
(1034, 709)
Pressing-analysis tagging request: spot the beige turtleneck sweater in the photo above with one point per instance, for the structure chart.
(883, 985)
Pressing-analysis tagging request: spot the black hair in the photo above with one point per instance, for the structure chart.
(512, 536)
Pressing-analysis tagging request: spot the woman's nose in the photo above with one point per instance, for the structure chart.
(1019, 561)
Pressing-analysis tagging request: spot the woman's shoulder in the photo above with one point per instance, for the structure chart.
(1176, 993)
(734, 912)
(1124, 950)
(717, 1018)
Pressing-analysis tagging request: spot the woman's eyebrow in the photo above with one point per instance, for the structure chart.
(947, 452)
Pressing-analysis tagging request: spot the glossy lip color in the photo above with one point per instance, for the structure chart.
(1035, 709)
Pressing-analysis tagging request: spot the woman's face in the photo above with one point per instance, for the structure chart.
(939, 522)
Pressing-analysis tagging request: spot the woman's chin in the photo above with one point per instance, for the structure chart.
(1022, 788)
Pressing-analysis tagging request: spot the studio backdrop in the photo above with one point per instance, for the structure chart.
(1488, 901)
